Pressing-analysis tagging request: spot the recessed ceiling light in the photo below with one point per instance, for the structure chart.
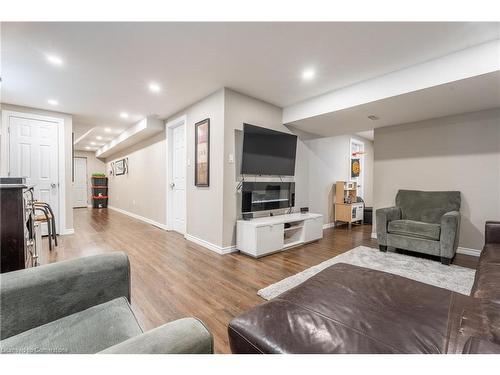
(373, 117)
(52, 102)
(308, 74)
(154, 87)
(87, 147)
(92, 143)
(107, 130)
(124, 115)
(98, 137)
(55, 60)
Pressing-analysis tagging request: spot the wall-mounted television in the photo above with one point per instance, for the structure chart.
(268, 152)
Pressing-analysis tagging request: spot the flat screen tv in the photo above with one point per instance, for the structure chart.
(268, 152)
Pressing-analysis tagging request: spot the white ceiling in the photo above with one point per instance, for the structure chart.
(91, 138)
(368, 134)
(107, 66)
(467, 95)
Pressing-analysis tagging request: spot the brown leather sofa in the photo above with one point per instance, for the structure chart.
(350, 309)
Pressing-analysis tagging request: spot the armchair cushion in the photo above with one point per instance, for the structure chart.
(413, 228)
(427, 206)
(87, 331)
(183, 336)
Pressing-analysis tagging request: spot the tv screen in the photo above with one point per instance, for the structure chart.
(268, 152)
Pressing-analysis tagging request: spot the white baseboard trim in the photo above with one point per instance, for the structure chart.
(468, 251)
(210, 246)
(374, 235)
(328, 225)
(139, 217)
(68, 231)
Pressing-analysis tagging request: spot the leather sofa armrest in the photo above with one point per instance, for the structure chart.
(183, 336)
(383, 217)
(492, 232)
(476, 345)
(35, 296)
(450, 230)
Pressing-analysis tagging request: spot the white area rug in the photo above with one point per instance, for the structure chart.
(455, 278)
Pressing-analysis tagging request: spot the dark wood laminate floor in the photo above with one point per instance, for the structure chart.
(174, 278)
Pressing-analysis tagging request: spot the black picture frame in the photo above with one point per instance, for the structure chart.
(202, 153)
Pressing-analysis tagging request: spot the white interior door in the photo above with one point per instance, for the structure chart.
(33, 153)
(178, 184)
(80, 188)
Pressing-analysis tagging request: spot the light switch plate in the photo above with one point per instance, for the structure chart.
(231, 158)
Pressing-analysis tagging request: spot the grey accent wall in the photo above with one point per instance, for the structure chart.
(451, 153)
(142, 190)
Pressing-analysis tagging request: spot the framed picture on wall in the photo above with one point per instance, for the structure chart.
(120, 167)
(202, 153)
(355, 168)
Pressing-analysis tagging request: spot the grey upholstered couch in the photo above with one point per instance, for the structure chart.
(82, 306)
(422, 221)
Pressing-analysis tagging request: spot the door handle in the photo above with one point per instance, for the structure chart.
(53, 185)
(172, 184)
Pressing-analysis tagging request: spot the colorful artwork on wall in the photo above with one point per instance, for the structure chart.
(355, 168)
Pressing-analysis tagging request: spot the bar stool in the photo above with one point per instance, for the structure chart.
(48, 217)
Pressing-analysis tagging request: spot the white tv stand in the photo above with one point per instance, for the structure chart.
(265, 235)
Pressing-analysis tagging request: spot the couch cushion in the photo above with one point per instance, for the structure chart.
(427, 206)
(413, 228)
(490, 253)
(88, 331)
(486, 282)
(476, 345)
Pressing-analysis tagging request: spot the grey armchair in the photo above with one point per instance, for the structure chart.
(423, 221)
(83, 306)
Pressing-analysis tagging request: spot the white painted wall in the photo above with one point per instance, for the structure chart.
(451, 153)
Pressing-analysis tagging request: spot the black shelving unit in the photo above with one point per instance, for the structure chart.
(99, 192)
